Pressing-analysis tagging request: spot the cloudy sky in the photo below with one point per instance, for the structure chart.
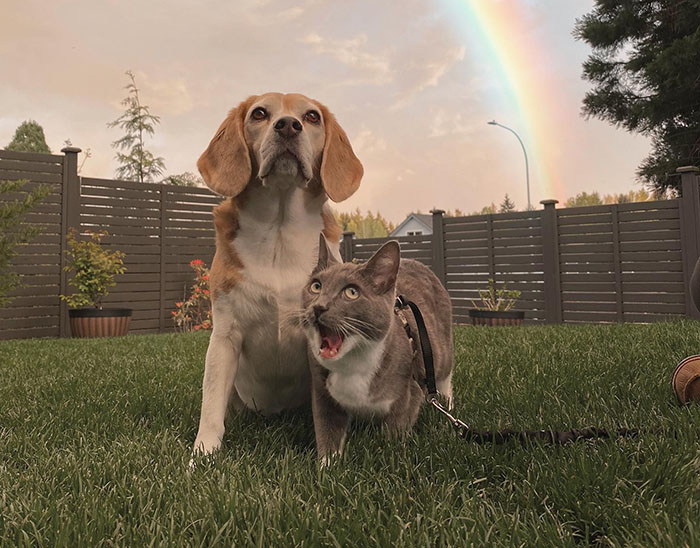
(412, 82)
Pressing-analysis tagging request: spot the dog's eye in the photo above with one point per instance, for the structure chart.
(312, 116)
(351, 292)
(315, 287)
(259, 114)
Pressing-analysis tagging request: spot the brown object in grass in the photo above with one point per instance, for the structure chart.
(93, 322)
(686, 380)
(496, 317)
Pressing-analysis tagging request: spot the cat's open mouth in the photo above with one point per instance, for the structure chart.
(331, 341)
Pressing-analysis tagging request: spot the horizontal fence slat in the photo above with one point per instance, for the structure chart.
(41, 167)
(31, 157)
(13, 175)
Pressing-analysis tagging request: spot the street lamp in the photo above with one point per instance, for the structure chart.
(527, 167)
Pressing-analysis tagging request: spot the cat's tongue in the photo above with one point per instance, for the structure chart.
(330, 344)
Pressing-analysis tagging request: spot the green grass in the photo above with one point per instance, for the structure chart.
(95, 437)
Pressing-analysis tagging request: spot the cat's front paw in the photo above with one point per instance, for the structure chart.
(328, 460)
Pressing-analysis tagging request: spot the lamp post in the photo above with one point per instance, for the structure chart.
(527, 167)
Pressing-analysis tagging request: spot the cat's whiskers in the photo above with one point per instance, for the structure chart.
(295, 318)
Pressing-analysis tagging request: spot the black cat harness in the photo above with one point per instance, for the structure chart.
(432, 396)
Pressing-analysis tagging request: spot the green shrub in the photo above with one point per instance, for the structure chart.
(94, 269)
(13, 231)
(497, 299)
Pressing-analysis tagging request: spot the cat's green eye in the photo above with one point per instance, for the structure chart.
(351, 292)
(315, 287)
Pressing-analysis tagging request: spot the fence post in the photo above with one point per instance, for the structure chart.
(550, 252)
(690, 229)
(438, 245)
(161, 240)
(346, 246)
(617, 262)
(70, 218)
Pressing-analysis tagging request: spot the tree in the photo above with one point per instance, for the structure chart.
(645, 68)
(136, 163)
(364, 226)
(640, 195)
(507, 205)
(186, 178)
(584, 199)
(29, 137)
(15, 202)
(486, 210)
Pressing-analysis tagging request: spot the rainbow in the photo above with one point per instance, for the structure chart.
(525, 102)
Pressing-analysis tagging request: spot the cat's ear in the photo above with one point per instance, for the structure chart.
(382, 268)
(325, 257)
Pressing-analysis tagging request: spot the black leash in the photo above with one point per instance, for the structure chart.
(487, 436)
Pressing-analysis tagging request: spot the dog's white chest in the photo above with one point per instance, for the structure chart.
(277, 243)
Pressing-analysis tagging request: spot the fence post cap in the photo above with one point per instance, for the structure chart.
(67, 150)
(348, 234)
(687, 169)
(437, 211)
(545, 203)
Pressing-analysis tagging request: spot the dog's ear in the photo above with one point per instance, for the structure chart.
(341, 171)
(383, 267)
(325, 256)
(225, 164)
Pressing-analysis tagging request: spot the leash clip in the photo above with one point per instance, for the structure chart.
(461, 428)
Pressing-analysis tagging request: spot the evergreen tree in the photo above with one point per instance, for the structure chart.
(29, 137)
(507, 205)
(645, 69)
(186, 178)
(136, 163)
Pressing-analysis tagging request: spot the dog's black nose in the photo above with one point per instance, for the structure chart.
(318, 310)
(288, 126)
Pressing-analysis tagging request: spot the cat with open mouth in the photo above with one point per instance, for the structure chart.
(362, 361)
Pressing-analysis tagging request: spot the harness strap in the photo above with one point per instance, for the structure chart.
(424, 340)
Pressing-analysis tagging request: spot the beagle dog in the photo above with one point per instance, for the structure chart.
(278, 157)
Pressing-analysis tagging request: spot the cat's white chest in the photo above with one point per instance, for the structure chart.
(350, 384)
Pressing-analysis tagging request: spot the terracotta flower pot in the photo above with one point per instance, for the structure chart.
(496, 317)
(95, 322)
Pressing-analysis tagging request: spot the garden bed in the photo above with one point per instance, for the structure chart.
(95, 437)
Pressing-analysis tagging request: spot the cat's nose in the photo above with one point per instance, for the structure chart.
(318, 310)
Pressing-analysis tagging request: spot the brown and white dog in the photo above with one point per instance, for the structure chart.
(279, 158)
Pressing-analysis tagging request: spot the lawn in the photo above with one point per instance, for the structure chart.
(95, 438)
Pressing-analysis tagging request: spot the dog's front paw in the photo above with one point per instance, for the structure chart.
(204, 445)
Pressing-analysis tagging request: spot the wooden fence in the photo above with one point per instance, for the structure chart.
(626, 262)
(623, 262)
(161, 228)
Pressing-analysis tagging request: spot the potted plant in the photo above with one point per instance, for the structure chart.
(496, 307)
(94, 269)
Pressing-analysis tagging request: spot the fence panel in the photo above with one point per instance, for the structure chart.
(34, 312)
(624, 262)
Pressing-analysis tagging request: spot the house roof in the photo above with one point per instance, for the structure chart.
(422, 218)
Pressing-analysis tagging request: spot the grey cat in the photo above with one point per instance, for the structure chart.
(362, 361)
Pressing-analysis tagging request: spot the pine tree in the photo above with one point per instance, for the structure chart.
(645, 69)
(136, 163)
(29, 137)
(507, 205)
